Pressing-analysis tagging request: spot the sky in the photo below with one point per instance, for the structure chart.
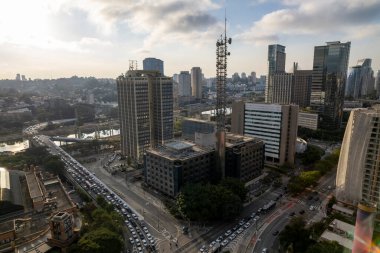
(63, 38)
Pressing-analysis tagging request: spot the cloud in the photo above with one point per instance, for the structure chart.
(309, 17)
(159, 21)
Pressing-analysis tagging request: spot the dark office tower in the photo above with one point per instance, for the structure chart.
(153, 64)
(302, 87)
(196, 82)
(145, 101)
(276, 64)
(329, 81)
(360, 82)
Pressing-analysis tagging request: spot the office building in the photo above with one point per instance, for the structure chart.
(145, 101)
(360, 81)
(275, 124)
(358, 167)
(302, 87)
(196, 82)
(244, 157)
(329, 81)
(170, 166)
(279, 89)
(154, 65)
(184, 84)
(308, 120)
(190, 126)
(377, 84)
(276, 65)
(253, 77)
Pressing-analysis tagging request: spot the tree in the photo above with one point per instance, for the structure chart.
(236, 187)
(54, 165)
(100, 240)
(295, 235)
(325, 246)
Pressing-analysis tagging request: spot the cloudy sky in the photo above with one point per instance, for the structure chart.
(62, 38)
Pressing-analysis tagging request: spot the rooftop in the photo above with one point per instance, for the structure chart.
(33, 185)
(179, 145)
(179, 150)
(236, 139)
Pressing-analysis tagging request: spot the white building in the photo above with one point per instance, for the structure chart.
(359, 168)
(184, 84)
(275, 124)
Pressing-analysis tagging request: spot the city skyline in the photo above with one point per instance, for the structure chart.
(52, 39)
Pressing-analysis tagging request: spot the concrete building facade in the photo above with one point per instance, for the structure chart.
(190, 126)
(275, 124)
(280, 88)
(196, 82)
(358, 170)
(172, 165)
(302, 87)
(145, 101)
(184, 84)
(308, 120)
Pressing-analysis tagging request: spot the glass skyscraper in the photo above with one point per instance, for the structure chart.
(153, 64)
(329, 81)
(276, 65)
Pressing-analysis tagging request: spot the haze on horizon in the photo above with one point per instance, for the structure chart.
(62, 38)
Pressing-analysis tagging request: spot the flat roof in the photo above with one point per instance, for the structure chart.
(179, 145)
(236, 139)
(343, 209)
(330, 236)
(33, 185)
(343, 226)
(191, 150)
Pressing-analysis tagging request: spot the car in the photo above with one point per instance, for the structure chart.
(227, 233)
(260, 210)
(275, 232)
(131, 240)
(311, 208)
(265, 250)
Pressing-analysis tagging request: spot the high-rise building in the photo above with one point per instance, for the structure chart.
(153, 64)
(360, 81)
(18, 77)
(184, 84)
(145, 101)
(358, 173)
(377, 84)
(253, 77)
(196, 82)
(276, 64)
(302, 87)
(329, 81)
(279, 89)
(275, 124)
(190, 126)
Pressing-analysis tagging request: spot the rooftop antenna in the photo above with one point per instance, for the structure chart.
(132, 65)
(221, 78)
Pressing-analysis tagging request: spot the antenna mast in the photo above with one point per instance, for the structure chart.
(221, 78)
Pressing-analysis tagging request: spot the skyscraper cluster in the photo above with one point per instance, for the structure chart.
(322, 88)
(190, 83)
